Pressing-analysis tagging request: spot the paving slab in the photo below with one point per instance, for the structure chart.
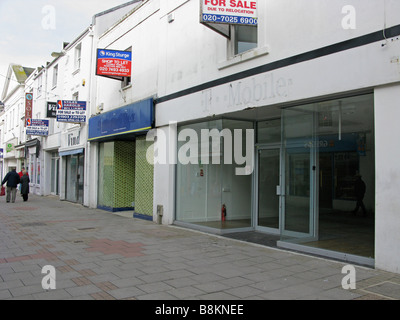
(99, 255)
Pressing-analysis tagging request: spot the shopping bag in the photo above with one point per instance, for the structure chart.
(3, 192)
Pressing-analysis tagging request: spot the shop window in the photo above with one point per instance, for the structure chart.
(346, 166)
(269, 131)
(203, 189)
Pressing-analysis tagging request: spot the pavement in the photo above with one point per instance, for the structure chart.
(97, 255)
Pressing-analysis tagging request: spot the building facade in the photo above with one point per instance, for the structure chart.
(318, 98)
(229, 128)
(122, 114)
(12, 125)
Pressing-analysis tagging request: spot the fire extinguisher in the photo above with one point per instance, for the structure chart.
(223, 213)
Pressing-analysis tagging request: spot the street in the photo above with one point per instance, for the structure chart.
(97, 255)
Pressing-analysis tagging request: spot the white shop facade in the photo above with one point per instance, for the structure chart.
(319, 120)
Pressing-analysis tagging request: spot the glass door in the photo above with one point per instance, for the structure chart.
(299, 203)
(72, 178)
(81, 177)
(268, 189)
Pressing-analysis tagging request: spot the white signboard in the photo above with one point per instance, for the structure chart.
(240, 12)
(71, 111)
(37, 127)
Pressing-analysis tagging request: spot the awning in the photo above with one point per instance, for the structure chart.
(71, 152)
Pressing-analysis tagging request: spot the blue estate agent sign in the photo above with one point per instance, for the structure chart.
(1, 153)
(134, 118)
(37, 127)
(71, 111)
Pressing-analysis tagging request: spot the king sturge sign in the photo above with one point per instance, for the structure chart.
(114, 64)
(236, 12)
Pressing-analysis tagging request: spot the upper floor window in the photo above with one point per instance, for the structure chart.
(127, 81)
(78, 52)
(245, 38)
(55, 75)
(40, 85)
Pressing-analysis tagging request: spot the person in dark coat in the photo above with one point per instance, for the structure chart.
(360, 189)
(25, 186)
(12, 178)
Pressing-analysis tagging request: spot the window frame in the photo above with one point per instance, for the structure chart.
(55, 76)
(78, 57)
(234, 50)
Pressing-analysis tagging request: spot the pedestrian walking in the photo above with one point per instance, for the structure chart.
(21, 173)
(25, 186)
(12, 178)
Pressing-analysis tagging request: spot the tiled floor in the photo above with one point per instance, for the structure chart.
(338, 231)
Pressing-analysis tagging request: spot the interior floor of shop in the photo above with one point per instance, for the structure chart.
(338, 231)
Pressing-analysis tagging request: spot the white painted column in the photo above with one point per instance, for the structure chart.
(387, 163)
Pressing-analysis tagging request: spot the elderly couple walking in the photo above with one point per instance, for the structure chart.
(13, 179)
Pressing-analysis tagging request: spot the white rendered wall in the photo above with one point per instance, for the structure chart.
(139, 31)
(387, 219)
(164, 178)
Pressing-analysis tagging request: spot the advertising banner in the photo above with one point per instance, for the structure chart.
(51, 110)
(235, 12)
(37, 127)
(1, 153)
(71, 111)
(28, 105)
(9, 147)
(114, 64)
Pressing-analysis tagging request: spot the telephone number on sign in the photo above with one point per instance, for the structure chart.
(106, 69)
(229, 19)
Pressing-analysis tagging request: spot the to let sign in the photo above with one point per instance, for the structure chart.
(236, 12)
(71, 111)
(114, 64)
(36, 127)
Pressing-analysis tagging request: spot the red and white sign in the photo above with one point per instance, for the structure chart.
(111, 63)
(242, 12)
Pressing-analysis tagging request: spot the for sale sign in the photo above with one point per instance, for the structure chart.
(36, 127)
(114, 64)
(71, 111)
(236, 12)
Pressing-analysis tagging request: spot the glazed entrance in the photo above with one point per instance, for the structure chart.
(327, 201)
(304, 189)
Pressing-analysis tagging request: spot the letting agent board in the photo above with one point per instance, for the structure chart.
(114, 64)
(37, 127)
(71, 111)
(234, 12)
